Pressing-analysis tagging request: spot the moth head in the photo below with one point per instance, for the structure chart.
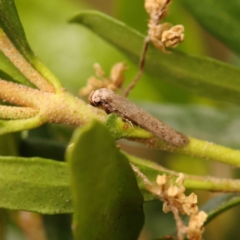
(93, 99)
(96, 98)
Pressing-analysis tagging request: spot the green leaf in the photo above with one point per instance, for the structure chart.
(199, 75)
(220, 204)
(9, 72)
(149, 168)
(219, 17)
(8, 126)
(11, 25)
(125, 12)
(34, 184)
(108, 204)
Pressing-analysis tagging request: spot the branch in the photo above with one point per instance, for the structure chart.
(24, 67)
(210, 151)
(140, 68)
(9, 112)
(152, 169)
(62, 107)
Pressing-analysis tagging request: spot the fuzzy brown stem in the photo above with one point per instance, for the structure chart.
(24, 67)
(140, 69)
(207, 183)
(9, 112)
(140, 174)
(55, 108)
(19, 94)
(179, 223)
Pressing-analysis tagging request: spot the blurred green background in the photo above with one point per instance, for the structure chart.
(70, 51)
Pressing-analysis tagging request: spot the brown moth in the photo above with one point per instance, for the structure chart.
(114, 103)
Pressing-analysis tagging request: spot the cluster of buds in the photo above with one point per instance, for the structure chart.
(172, 194)
(113, 82)
(162, 35)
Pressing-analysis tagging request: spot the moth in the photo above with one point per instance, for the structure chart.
(111, 102)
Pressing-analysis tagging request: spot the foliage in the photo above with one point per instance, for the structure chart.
(96, 181)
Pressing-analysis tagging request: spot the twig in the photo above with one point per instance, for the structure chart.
(11, 52)
(179, 223)
(140, 69)
(161, 13)
(155, 19)
(140, 174)
(11, 112)
(206, 183)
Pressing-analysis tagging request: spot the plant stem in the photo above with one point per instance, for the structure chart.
(62, 107)
(24, 67)
(197, 148)
(210, 151)
(55, 108)
(8, 126)
(151, 170)
(9, 112)
(140, 68)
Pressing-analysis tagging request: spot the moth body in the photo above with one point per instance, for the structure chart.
(114, 103)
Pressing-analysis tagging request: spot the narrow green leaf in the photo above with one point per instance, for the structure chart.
(150, 169)
(9, 72)
(11, 25)
(34, 184)
(108, 204)
(199, 75)
(125, 11)
(8, 126)
(220, 204)
(219, 17)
